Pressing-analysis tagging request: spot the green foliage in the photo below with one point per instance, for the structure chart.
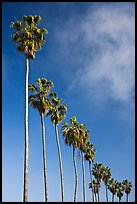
(127, 186)
(57, 111)
(94, 186)
(106, 175)
(89, 152)
(75, 134)
(39, 98)
(71, 132)
(120, 190)
(27, 37)
(98, 172)
(113, 186)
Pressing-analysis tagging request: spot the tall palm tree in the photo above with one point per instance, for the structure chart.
(40, 101)
(106, 178)
(98, 174)
(127, 187)
(120, 190)
(71, 136)
(84, 135)
(28, 38)
(112, 187)
(89, 156)
(57, 112)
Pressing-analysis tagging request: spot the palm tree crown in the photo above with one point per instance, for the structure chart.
(28, 37)
(39, 99)
(84, 135)
(120, 189)
(94, 186)
(127, 186)
(106, 175)
(57, 110)
(113, 186)
(98, 172)
(89, 152)
(71, 133)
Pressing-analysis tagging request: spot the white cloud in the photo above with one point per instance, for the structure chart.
(102, 43)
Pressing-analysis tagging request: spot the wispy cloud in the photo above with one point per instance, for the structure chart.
(102, 44)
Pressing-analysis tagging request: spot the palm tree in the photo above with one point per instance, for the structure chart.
(71, 136)
(84, 135)
(127, 187)
(40, 101)
(120, 190)
(106, 178)
(28, 38)
(94, 186)
(98, 174)
(57, 112)
(112, 187)
(89, 156)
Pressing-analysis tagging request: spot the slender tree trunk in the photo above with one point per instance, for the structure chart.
(60, 162)
(112, 197)
(98, 195)
(106, 193)
(90, 170)
(127, 197)
(25, 193)
(119, 199)
(84, 184)
(76, 174)
(93, 195)
(44, 157)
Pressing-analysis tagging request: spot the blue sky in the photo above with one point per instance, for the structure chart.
(89, 54)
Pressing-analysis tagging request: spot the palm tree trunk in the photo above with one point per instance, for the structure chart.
(84, 184)
(76, 174)
(106, 193)
(90, 170)
(127, 197)
(60, 162)
(112, 197)
(25, 193)
(44, 157)
(95, 197)
(98, 195)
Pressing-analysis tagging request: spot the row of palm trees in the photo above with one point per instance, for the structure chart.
(76, 136)
(103, 173)
(29, 39)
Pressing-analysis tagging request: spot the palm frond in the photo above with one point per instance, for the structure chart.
(37, 19)
(32, 88)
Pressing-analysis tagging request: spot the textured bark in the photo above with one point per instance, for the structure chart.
(84, 184)
(90, 171)
(76, 174)
(44, 157)
(25, 193)
(60, 162)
